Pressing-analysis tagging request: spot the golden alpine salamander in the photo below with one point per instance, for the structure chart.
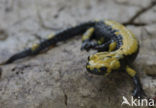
(116, 47)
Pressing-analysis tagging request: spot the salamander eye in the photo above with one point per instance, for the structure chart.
(95, 70)
(103, 69)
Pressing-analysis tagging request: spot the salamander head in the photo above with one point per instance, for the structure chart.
(103, 63)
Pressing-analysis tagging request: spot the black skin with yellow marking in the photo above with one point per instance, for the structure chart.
(116, 48)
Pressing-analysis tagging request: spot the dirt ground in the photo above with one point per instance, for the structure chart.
(58, 78)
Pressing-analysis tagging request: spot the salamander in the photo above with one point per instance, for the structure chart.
(116, 47)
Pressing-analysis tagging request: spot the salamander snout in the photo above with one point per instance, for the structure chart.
(103, 62)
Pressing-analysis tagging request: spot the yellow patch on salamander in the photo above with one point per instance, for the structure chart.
(100, 41)
(50, 36)
(88, 33)
(34, 47)
(131, 71)
(130, 44)
(112, 46)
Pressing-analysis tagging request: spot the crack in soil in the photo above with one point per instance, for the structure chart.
(65, 99)
(131, 21)
(42, 24)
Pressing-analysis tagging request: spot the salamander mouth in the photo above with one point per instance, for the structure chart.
(100, 71)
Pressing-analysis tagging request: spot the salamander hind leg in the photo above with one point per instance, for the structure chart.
(138, 91)
(87, 43)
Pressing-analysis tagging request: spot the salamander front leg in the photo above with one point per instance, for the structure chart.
(138, 91)
(87, 43)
